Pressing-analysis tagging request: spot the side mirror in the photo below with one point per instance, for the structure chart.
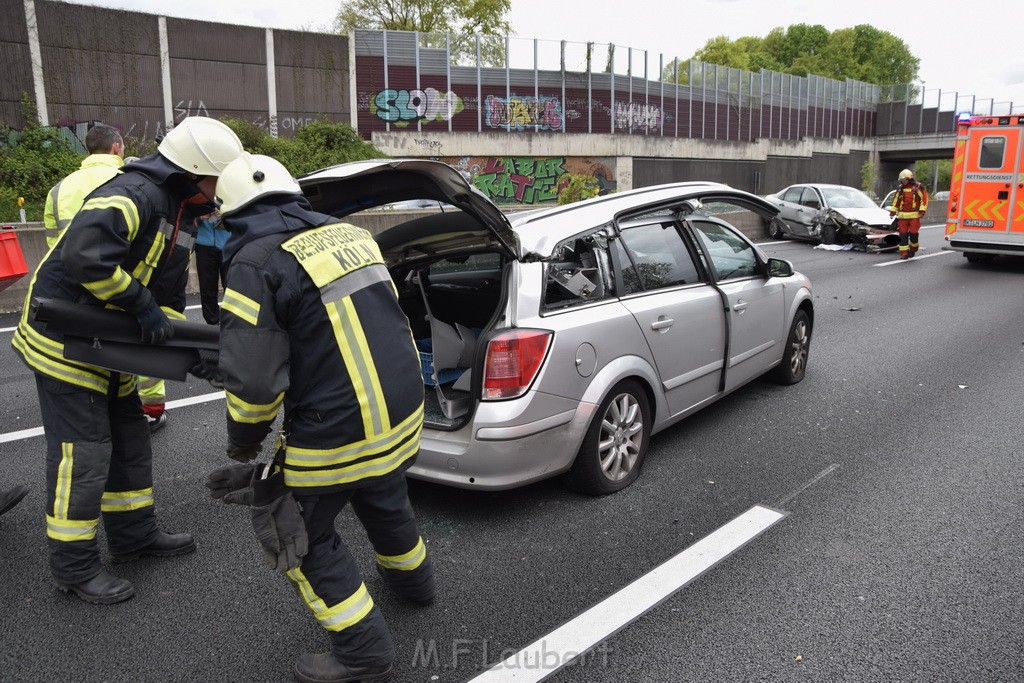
(779, 268)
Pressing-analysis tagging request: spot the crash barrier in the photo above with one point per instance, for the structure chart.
(12, 260)
(112, 339)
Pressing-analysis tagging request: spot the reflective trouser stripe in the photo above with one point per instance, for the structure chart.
(406, 561)
(71, 529)
(125, 501)
(346, 613)
(62, 493)
(152, 391)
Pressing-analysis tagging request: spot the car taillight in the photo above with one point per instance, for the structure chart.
(513, 360)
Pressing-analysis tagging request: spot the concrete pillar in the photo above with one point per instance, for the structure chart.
(623, 173)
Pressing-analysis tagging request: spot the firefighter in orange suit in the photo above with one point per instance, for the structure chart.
(908, 207)
(310, 323)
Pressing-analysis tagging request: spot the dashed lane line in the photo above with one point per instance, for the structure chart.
(573, 639)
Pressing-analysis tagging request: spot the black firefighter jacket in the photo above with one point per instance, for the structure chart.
(129, 244)
(311, 321)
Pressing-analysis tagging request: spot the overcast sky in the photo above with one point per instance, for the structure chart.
(973, 52)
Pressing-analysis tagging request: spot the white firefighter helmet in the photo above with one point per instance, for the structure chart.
(250, 177)
(200, 145)
(906, 173)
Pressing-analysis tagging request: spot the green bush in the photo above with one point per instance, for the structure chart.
(31, 162)
(316, 145)
(575, 187)
(35, 159)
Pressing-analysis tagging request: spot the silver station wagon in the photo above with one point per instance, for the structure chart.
(557, 341)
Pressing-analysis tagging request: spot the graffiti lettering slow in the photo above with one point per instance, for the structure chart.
(520, 113)
(402, 107)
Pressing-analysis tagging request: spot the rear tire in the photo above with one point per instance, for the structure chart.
(794, 358)
(616, 443)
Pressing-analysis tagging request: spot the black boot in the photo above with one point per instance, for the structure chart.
(165, 545)
(102, 589)
(324, 668)
(9, 499)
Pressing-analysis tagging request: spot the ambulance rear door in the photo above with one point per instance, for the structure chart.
(990, 189)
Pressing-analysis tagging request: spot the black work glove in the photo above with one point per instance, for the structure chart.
(156, 328)
(233, 484)
(277, 521)
(208, 368)
(243, 453)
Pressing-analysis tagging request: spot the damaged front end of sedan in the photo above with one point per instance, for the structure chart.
(833, 227)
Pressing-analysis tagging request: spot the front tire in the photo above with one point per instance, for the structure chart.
(798, 345)
(615, 445)
(774, 226)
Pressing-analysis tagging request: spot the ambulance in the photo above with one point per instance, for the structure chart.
(986, 195)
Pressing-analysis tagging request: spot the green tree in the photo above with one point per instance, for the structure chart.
(464, 19)
(862, 53)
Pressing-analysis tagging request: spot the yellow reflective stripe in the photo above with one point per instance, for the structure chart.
(143, 271)
(346, 475)
(172, 314)
(241, 305)
(346, 613)
(252, 413)
(406, 561)
(71, 529)
(127, 386)
(125, 501)
(59, 370)
(111, 286)
(62, 490)
(321, 457)
(124, 205)
(351, 340)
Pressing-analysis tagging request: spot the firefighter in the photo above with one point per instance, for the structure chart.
(106, 149)
(311, 321)
(908, 206)
(127, 247)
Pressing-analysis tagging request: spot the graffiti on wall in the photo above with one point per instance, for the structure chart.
(530, 180)
(633, 116)
(403, 107)
(521, 113)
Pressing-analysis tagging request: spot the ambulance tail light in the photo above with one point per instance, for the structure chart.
(514, 359)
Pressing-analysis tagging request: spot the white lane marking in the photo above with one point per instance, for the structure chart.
(542, 658)
(12, 329)
(917, 257)
(177, 403)
(821, 475)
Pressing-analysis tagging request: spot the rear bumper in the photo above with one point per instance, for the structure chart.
(492, 453)
(1000, 248)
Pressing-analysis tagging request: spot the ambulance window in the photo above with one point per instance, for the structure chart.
(992, 151)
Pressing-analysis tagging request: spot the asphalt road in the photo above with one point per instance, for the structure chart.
(896, 462)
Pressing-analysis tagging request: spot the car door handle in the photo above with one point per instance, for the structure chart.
(740, 306)
(662, 323)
